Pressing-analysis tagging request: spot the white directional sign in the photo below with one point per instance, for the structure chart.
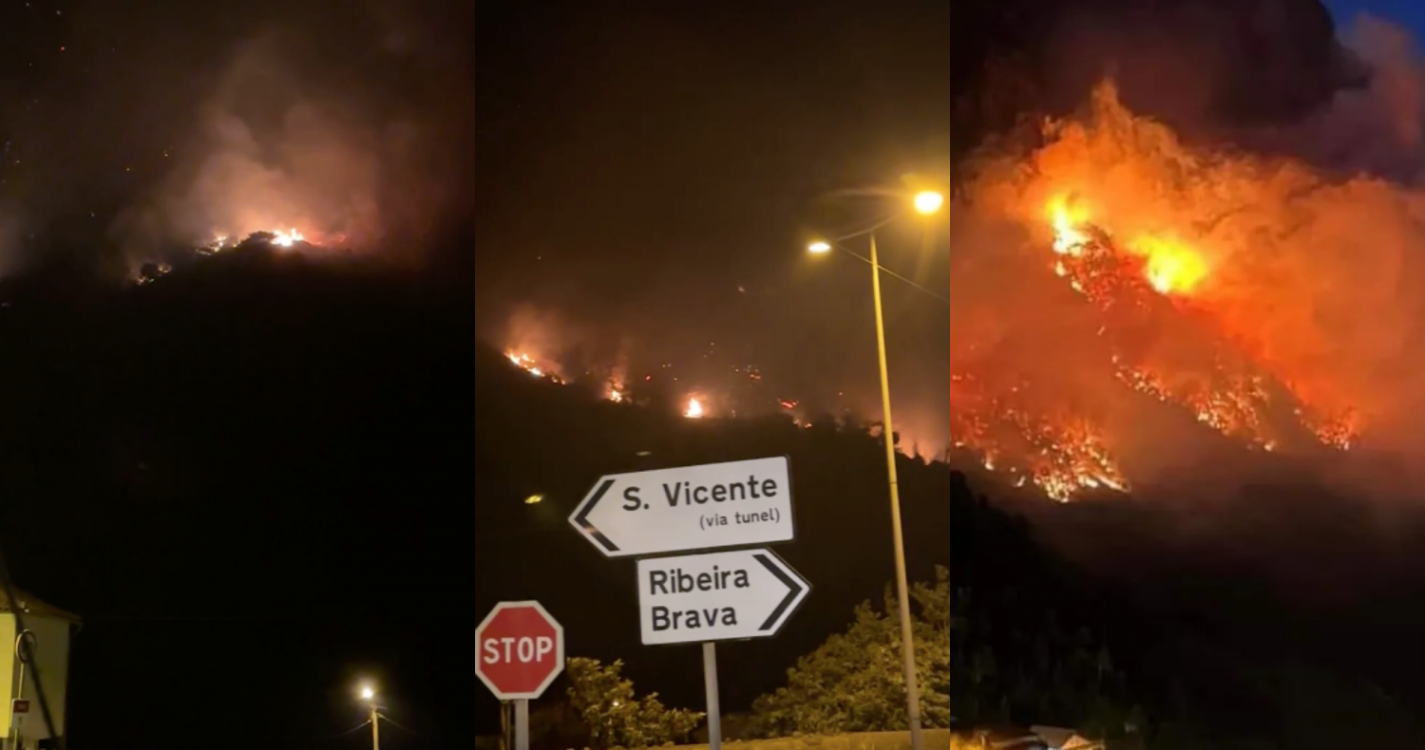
(735, 504)
(716, 596)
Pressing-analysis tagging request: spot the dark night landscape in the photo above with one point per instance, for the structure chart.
(270, 272)
(1172, 291)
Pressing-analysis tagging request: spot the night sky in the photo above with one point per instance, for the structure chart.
(651, 179)
(1408, 14)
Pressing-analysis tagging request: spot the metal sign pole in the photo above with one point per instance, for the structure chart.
(710, 682)
(505, 726)
(521, 725)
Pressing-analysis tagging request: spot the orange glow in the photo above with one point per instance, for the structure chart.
(1061, 453)
(288, 238)
(694, 409)
(1171, 268)
(530, 365)
(1271, 303)
(1066, 219)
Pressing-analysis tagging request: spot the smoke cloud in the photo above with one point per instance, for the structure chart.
(1309, 241)
(363, 155)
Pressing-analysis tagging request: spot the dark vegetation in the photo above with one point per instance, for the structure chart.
(1192, 656)
(252, 481)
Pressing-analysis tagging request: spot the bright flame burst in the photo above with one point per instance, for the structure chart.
(529, 365)
(288, 238)
(1161, 313)
(280, 238)
(1138, 285)
(694, 409)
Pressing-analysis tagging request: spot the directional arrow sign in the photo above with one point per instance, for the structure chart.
(716, 596)
(735, 504)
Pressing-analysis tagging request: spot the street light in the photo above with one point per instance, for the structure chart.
(926, 203)
(368, 694)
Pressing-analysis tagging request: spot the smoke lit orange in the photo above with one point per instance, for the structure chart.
(1237, 289)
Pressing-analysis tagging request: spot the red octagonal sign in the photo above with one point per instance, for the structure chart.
(519, 650)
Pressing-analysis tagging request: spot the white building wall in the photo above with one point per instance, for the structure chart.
(51, 655)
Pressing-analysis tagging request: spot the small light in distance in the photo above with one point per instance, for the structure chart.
(534, 499)
(818, 247)
(928, 202)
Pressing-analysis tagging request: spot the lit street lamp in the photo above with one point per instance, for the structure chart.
(926, 203)
(368, 694)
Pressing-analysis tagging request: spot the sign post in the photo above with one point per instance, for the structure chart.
(734, 594)
(716, 596)
(519, 650)
(714, 704)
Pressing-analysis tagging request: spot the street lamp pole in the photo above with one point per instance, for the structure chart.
(912, 687)
(368, 694)
(926, 203)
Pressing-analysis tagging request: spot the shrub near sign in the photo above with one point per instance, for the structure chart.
(519, 650)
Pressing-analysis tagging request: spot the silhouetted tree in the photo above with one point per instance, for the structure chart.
(616, 716)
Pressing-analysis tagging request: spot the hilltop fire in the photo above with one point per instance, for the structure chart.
(530, 365)
(151, 271)
(1257, 296)
(288, 238)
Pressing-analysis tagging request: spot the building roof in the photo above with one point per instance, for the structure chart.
(1061, 738)
(31, 605)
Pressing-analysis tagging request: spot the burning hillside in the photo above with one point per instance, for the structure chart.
(280, 239)
(1272, 303)
(692, 403)
(1126, 301)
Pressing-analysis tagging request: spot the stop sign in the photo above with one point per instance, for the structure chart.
(519, 650)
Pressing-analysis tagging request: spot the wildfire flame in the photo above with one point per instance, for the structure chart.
(1062, 454)
(1141, 229)
(525, 362)
(288, 238)
(695, 408)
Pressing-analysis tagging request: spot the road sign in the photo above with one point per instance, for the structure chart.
(716, 596)
(735, 504)
(519, 650)
(19, 712)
